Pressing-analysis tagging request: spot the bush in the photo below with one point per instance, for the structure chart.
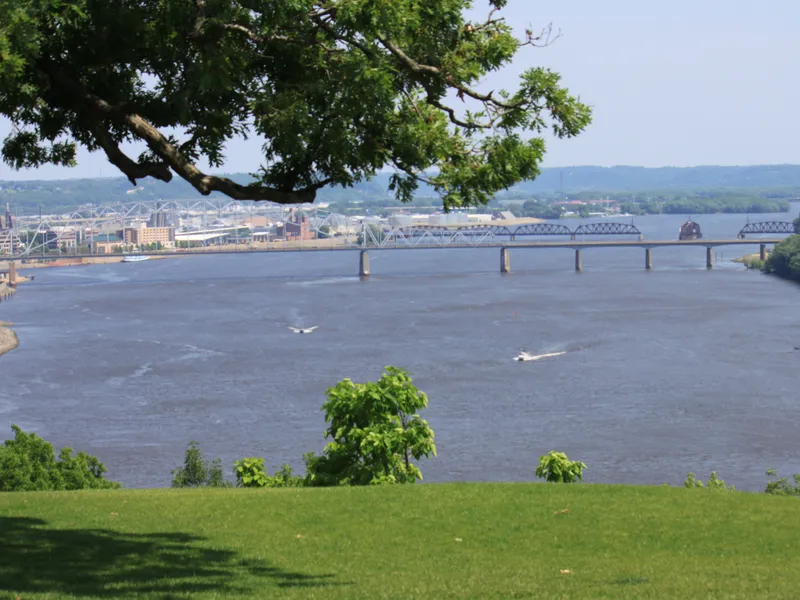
(555, 467)
(714, 483)
(782, 486)
(198, 472)
(755, 263)
(784, 260)
(28, 463)
(251, 472)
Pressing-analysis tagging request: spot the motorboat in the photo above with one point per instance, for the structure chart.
(527, 356)
(134, 258)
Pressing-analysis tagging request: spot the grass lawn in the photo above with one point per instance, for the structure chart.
(481, 541)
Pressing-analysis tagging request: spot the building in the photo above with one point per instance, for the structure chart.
(158, 218)
(9, 241)
(6, 222)
(106, 244)
(296, 228)
(142, 235)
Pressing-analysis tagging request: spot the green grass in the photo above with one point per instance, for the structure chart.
(480, 541)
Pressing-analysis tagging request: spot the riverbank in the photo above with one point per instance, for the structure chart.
(461, 540)
(72, 261)
(8, 338)
(751, 261)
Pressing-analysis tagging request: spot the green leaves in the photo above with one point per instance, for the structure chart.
(784, 260)
(338, 90)
(28, 463)
(555, 467)
(375, 433)
(197, 471)
(714, 483)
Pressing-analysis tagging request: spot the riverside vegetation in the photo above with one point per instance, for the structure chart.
(783, 260)
(350, 529)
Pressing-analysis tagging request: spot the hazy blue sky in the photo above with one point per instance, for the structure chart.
(676, 83)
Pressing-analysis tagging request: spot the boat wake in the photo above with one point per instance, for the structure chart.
(527, 356)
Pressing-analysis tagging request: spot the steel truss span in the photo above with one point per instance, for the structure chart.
(33, 235)
(607, 228)
(768, 227)
(479, 235)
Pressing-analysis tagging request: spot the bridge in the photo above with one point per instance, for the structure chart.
(769, 227)
(36, 238)
(577, 246)
(482, 234)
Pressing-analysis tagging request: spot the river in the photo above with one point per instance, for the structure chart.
(673, 370)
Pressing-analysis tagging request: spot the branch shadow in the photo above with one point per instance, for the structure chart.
(104, 563)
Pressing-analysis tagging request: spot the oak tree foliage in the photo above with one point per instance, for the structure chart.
(338, 89)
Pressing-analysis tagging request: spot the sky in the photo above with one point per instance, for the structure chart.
(680, 83)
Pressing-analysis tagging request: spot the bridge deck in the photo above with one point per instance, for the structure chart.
(568, 244)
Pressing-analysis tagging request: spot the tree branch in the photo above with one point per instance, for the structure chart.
(99, 110)
(132, 169)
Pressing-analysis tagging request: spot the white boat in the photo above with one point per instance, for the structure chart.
(134, 258)
(526, 356)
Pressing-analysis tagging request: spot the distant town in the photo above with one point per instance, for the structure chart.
(162, 225)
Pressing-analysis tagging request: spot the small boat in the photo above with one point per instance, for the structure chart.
(134, 258)
(526, 356)
(690, 231)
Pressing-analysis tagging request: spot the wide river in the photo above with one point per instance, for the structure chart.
(674, 370)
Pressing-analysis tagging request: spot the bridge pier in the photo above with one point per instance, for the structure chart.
(709, 257)
(12, 274)
(762, 252)
(505, 260)
(363, 264)
(648, 258)
(578, 261)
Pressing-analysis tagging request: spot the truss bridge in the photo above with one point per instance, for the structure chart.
(481, 235)
(769, 227)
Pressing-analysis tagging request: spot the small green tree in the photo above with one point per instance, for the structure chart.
(28, 463)
(555, 467)
(375, 433)
(198, 472)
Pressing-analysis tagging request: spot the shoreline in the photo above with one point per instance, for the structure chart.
(8, 338)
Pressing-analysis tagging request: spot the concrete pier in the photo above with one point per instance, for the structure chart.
(578, 261)
(648, 258)
(762, 252)
(12, 274)
(363, 264)
(709, 257)
(505, 260)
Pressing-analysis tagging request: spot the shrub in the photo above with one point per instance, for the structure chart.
(555, 467)
(251, 472)
(198, 472)
(782, 486)
(714, 483)
(28, 463)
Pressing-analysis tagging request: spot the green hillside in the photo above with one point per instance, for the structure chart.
(459, 541)
(772, 181)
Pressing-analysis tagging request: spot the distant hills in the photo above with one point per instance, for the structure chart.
(29, 196)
